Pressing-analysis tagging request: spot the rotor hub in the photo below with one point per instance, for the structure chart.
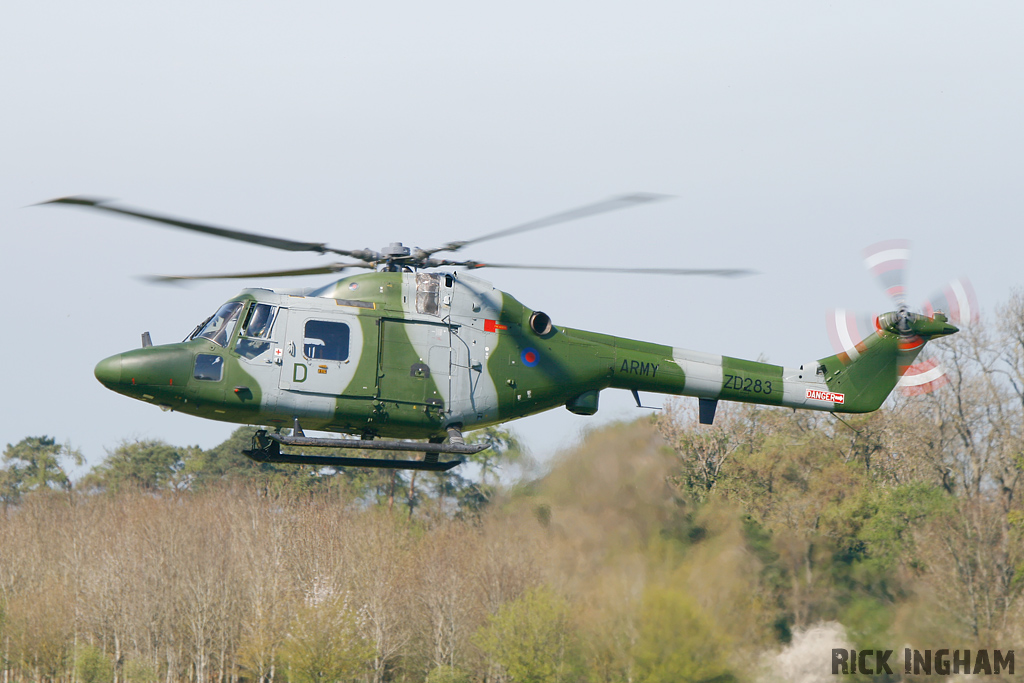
(395, 250)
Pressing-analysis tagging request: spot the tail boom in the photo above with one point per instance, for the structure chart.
(845, 383)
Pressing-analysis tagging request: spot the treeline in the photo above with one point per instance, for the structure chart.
(38, 464)
(660, 550)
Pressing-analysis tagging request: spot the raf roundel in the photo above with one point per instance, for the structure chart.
(530, 357)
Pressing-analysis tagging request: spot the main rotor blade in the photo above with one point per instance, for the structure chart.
(229, 233)
(613, 204)
(717, 272)
(320, 270)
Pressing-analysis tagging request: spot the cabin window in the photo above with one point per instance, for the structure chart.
(254, 338)
(209, 368)
(325, 340)
(218, 329)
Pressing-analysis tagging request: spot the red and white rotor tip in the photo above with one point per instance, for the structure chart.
(957, 300)
(847, 331)
(922, 378)
(888, 262)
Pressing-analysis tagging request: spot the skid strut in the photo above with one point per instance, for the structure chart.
(267, 448)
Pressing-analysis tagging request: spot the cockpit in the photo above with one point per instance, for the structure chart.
(219, 327)
(254, 337)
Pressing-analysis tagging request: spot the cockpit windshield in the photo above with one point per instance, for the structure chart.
(218, 329)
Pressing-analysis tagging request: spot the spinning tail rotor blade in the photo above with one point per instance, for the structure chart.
(847, 331)
(923, 378)
(888, 262)
(957, 300)
(909, 346)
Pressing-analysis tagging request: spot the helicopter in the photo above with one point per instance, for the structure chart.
(417, 350)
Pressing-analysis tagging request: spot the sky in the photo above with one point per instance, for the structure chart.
(790, 135)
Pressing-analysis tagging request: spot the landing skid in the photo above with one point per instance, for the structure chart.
(267, 448)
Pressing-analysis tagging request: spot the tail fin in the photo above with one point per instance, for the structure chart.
(865, 375)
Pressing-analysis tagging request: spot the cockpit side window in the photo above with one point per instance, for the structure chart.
(208, 367)
(222, 324)
(254, 339)
(260, 321)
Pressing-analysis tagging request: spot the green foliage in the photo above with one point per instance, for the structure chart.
(149, 465)
(503, 448)
(92, 665)
(472, 497)
(873, 538)
(138, 670)
(10, 485)
(875, 526)
(888, 533)
(789, 478)
(677, 643)
(155, 466)
(836, 534)
(868, 619)
(448, 674)
(324, 644)
(534, 638)
(226, 462)
(33, 464)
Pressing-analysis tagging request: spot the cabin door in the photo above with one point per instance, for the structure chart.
(415, 362)
(322, 353)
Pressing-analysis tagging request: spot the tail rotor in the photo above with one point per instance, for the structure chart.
(956, 303)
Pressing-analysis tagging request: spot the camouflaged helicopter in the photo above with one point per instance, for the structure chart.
(407, 351)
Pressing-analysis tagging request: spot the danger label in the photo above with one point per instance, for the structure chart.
(819, 395)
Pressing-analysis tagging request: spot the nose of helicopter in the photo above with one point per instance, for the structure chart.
(108, 371)
(162, 368)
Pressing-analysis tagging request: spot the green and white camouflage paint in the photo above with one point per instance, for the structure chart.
(406, 355)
